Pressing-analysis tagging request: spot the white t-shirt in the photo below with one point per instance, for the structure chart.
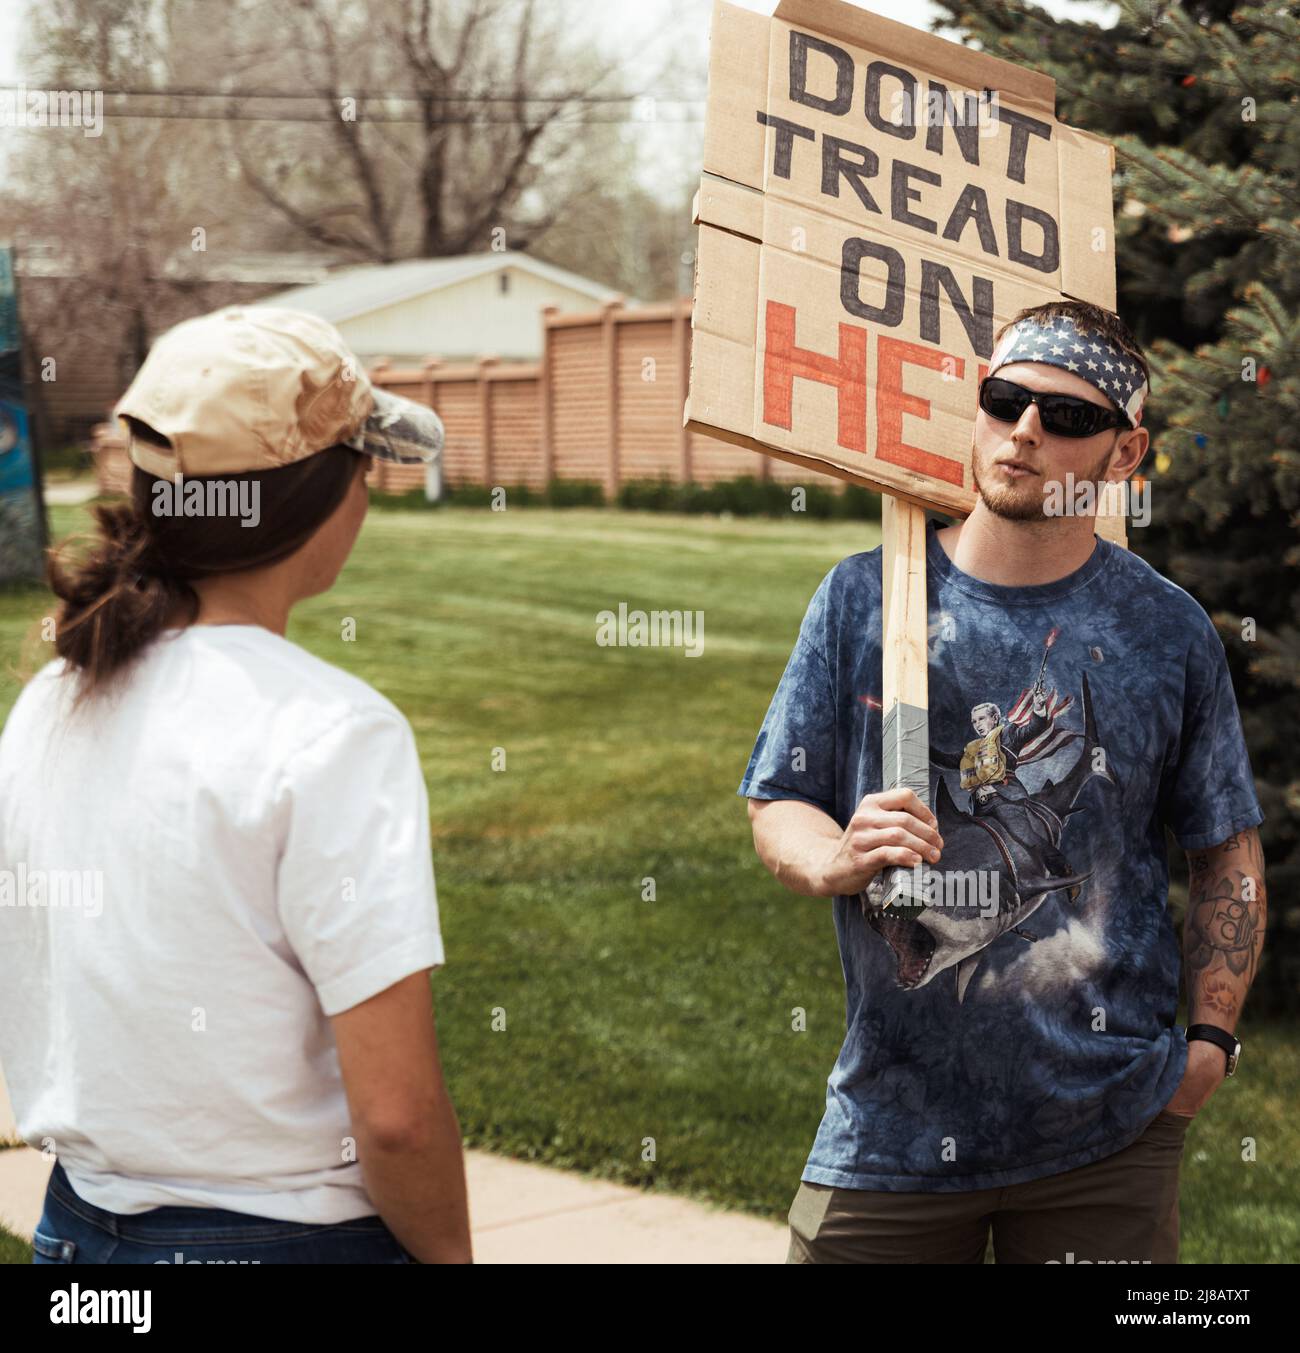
(241, 835)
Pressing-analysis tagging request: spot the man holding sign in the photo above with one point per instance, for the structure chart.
(906, 278)
(1012, 1059)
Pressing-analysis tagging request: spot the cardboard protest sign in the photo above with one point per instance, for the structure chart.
(876, 202)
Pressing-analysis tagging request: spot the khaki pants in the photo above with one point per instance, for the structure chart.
(1120, 1209)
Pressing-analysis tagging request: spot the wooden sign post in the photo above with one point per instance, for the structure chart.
(905, 699)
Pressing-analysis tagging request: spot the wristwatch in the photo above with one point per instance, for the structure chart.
(1230, 1043)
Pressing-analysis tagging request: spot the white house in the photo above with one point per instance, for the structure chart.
(466, 306)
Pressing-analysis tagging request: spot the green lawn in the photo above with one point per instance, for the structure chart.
(627, 1019)
(13, 1249)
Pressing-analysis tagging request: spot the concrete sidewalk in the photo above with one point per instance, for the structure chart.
(521, 1214)
(71, 492)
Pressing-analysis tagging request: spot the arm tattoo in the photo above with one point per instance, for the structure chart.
(1224, 934)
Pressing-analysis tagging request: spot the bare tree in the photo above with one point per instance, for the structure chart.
(484, 95)
(368, 131)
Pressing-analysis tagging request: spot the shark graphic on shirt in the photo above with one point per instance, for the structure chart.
(1006, 830)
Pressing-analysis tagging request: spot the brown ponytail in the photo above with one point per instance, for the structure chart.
(136, 581)
(118, 599)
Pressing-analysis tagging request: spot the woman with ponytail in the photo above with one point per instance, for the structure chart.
(214, 982)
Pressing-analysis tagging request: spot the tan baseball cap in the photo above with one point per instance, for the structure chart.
(257, 387)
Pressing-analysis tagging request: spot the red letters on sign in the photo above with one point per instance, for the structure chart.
(892, 403)
(783, 361)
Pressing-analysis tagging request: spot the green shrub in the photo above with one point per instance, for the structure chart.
(746, 496)
(468, 495)
(650, 495)
(574, 493)
(399, 502)
(750, 497)
(72, 459)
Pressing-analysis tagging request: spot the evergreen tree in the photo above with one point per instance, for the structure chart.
(1202, 103)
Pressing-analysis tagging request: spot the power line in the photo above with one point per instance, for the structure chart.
(407, 121)
(196, 92)
(669, 111)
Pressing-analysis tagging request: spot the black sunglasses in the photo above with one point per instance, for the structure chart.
(1062, 415)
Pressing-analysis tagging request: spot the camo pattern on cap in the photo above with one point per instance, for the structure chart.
(399, 430)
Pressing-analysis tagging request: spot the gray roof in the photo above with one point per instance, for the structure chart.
(268, 267)
(365, 287)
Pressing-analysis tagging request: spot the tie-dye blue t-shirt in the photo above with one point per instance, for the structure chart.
(1030, 1029)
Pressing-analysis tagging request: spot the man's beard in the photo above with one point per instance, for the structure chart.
(1025, 501)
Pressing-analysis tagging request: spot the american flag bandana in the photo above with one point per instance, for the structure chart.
(1087, 352)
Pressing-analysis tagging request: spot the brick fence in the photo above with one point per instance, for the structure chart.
(604, 405)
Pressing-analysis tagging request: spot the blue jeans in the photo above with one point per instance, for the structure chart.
(73, 1231)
